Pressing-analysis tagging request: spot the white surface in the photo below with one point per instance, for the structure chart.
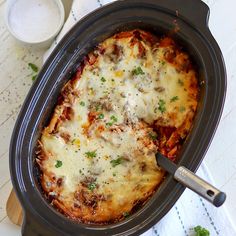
(15, 81)
(221, 156)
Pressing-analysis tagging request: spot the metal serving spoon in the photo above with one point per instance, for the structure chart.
(192, 181)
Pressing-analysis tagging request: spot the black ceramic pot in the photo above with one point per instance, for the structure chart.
(157, 16)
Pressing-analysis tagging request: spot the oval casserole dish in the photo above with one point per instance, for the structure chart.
(189, 28)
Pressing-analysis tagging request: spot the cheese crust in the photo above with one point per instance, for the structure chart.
(134, 95)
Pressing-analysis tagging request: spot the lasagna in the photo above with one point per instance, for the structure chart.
(134, 95)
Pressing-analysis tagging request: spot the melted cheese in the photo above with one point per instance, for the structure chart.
(107, 163)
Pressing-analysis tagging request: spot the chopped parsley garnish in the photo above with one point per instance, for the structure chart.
(173, 99)
(103, 79)
(182, 109)
(153, 136)
(82, 103)
(180, 82)
(34, 77)
(114, 174)
(138, 71)
(125, 214)
(113, 120)
(163, 63)
(117, 161)
(92, 186)
(58, 164)
(200, 231)
(91, 154)
(97, 107)
(100, 116)
(33, 67)
(161, 105)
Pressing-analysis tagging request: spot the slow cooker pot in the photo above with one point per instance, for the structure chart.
(187, 22)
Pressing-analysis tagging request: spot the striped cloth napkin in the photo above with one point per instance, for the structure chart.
(190, 210)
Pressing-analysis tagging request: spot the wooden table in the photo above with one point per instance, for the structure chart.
(15, 82)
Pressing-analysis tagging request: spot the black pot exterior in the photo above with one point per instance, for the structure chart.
(157, 16)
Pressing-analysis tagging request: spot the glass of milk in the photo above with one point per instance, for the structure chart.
(34, 22)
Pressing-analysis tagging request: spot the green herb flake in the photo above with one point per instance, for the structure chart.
(182, 109)
(103, 79)
(126, 214)
(33, 67)
(153, 136)
(97, 107)
(173, 99)
(58, 164)
(114, 119)
(180, 82)
(200, 231)
(82, 103)
(138, 71)
(114, 174)
(34, 77)
(163, 63)
(109, 124)
(116, 162)
(92, 186)
(100, 116)
(161, 106)
(91, 154)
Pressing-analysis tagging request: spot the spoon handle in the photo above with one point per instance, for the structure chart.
(188, 179)
(199, 186)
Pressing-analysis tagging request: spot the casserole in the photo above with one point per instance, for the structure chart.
(133, 95)
(159, 17)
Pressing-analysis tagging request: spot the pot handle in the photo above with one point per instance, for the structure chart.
(32, 227)
(196, 12)
(29, 226)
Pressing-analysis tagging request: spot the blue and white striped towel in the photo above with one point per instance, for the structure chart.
(190, 210)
